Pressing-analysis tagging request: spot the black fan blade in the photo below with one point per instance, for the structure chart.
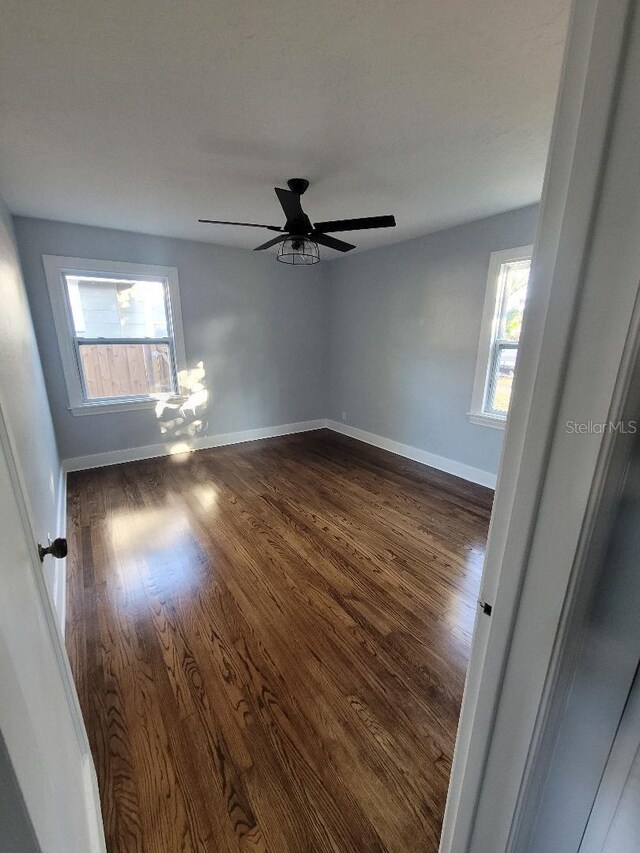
(331, 242)
(356, 224)
(273, 242)
(247, 224)
(290, 204)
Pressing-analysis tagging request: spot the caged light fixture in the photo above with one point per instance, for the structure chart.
(298, 250)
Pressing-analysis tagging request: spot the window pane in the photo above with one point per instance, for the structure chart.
(500, 390)
(126, 370)
(516, 278)
(124, 308)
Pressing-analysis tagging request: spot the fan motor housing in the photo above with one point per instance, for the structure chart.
(298, 185)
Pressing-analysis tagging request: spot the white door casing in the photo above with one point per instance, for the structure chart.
(575, 358)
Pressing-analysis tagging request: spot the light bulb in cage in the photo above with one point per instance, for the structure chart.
(298, 250)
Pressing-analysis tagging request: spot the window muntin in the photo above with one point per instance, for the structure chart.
(121, 335)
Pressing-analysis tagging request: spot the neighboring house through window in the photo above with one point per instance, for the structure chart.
(119, 332)
(500, 335)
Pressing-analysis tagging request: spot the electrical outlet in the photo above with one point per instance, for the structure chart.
(344, 417)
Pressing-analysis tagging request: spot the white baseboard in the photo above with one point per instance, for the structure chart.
(134, 454)
(60, 570)
(442, 463)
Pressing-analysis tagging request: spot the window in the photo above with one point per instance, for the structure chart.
(499, 335)
(119, 332)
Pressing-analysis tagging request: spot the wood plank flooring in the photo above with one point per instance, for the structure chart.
(269, 642)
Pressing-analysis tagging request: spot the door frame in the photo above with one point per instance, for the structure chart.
(577, 355)
(56, 639)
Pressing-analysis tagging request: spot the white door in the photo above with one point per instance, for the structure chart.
(614, 824)
(47, 780)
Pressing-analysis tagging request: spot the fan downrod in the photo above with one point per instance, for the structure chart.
(298, 185)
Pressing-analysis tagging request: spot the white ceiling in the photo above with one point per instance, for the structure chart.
(147, 114)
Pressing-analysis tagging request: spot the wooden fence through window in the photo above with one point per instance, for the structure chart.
(126, 370)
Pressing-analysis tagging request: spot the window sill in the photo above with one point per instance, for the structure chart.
(483, 419)
(111, 407)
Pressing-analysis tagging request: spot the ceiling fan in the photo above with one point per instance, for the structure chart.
(298, 240)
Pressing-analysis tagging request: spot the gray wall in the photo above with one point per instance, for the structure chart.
(404, 328)
(258, 326)
(388, 336)
(23, 396)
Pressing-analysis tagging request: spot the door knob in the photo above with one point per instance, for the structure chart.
(57, 549)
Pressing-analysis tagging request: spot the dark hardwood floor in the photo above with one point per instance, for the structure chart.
(269, 642)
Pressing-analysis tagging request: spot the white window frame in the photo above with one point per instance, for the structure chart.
(56, 268)
(487, 352)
